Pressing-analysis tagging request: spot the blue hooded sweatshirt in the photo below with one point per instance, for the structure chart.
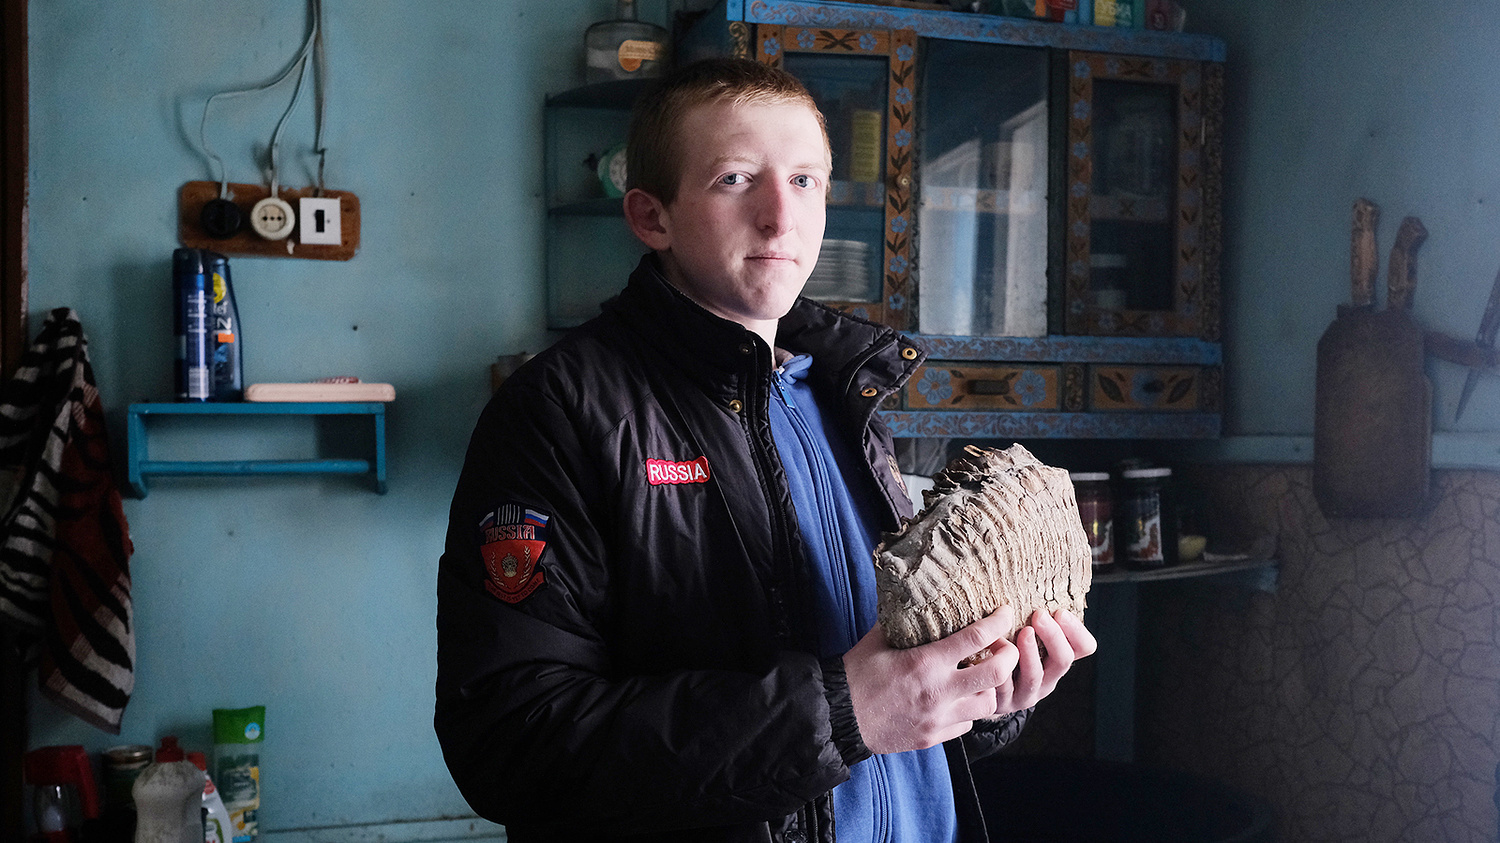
(903, 797)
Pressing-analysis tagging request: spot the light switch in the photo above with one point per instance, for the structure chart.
(318, 218)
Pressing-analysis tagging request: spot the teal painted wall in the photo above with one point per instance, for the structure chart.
(1327, 102)
(312, 596)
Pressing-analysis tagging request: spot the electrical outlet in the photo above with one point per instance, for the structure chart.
(200, 226)
(319, 216)
(272, 218)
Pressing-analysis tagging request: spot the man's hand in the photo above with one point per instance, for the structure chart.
(916, 698)
(1065, 639)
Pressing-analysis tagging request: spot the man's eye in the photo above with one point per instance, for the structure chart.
(804, 181)
(732, 178)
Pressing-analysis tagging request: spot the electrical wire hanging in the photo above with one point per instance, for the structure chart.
(320, 91)
(312, 47)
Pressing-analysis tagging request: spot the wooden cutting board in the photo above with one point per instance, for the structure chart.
(1372, 443)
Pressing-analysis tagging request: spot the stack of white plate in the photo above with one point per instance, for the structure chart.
(842, 273)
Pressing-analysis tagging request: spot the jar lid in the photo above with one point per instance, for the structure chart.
(1088, 476)
(1145, 473)
(128, 754)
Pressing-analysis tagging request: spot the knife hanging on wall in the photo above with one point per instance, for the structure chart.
(1489, 323)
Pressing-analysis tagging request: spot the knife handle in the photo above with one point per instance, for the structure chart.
(1364, 264)
(1401, 272)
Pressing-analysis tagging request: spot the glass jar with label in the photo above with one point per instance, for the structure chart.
(1147, 526)
(624, 48)
(1095, 509)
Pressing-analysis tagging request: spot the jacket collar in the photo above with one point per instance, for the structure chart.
(848, 353)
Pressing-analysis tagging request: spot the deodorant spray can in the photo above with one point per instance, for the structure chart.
(226, 337)
(190, 286)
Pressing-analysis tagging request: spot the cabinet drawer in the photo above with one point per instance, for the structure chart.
(1161, 389)
(968, 386)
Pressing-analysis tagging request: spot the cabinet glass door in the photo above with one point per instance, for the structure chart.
(1135, 181)
(982, 190)
(863, 82)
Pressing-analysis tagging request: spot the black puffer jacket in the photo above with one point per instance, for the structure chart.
(622, 646)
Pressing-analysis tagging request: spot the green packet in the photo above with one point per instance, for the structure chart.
(238, 734)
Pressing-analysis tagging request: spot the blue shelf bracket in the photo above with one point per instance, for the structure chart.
(140, 465)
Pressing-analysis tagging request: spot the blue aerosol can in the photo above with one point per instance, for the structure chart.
(226, 336)
(190, 300)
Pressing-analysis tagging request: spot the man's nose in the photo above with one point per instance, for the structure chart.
(775, 209)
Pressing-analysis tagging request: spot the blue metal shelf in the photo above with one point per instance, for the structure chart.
(141, 466)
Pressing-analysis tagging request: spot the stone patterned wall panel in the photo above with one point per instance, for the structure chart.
(1362, 699)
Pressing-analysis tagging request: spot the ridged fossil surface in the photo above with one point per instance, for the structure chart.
(998, 527)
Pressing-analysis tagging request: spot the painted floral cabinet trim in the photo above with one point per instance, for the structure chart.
(1160, 389)
(964, 386)
(771, 43)
(1191, 208)
(961, 386)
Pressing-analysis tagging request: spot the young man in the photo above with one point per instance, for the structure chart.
(656, 605)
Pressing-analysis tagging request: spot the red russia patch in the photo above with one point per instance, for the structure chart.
(670, 472)
(511, 541)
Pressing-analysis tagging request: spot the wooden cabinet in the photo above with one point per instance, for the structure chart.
(1037, 204)
(1141, 176)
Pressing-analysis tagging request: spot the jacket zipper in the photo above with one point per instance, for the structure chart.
(782, 573)
(810, 822)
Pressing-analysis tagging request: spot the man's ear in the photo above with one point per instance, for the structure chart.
(648, 219)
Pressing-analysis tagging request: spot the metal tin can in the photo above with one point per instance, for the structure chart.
(1095, 509)
(1148, 535)
(122, 764)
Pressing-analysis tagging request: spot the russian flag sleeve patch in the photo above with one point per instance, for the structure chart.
(511, 541)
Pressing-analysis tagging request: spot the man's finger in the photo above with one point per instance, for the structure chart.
(994, 670)
(1082, 641)
(1052, 638)
(1029, 669)
(976, 636)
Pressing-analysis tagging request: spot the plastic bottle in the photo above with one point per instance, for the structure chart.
(226, 337)
(65, 799)
(169, 798)
(216, 827)
(190, 293)
(238, 734)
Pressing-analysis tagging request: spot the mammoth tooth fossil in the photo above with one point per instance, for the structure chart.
(997, 528)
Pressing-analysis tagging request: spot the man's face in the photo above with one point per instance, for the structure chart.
(743, 233)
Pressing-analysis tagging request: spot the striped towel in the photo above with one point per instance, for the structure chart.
(64, 544)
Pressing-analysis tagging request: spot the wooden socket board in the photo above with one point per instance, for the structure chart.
(195, 194)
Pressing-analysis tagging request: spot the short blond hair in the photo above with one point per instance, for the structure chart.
(653, 153)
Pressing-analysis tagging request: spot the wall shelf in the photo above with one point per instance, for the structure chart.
(1258, 574)
(140, 466)
(1113, 617)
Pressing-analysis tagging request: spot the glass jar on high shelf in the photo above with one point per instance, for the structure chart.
(624, 48)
